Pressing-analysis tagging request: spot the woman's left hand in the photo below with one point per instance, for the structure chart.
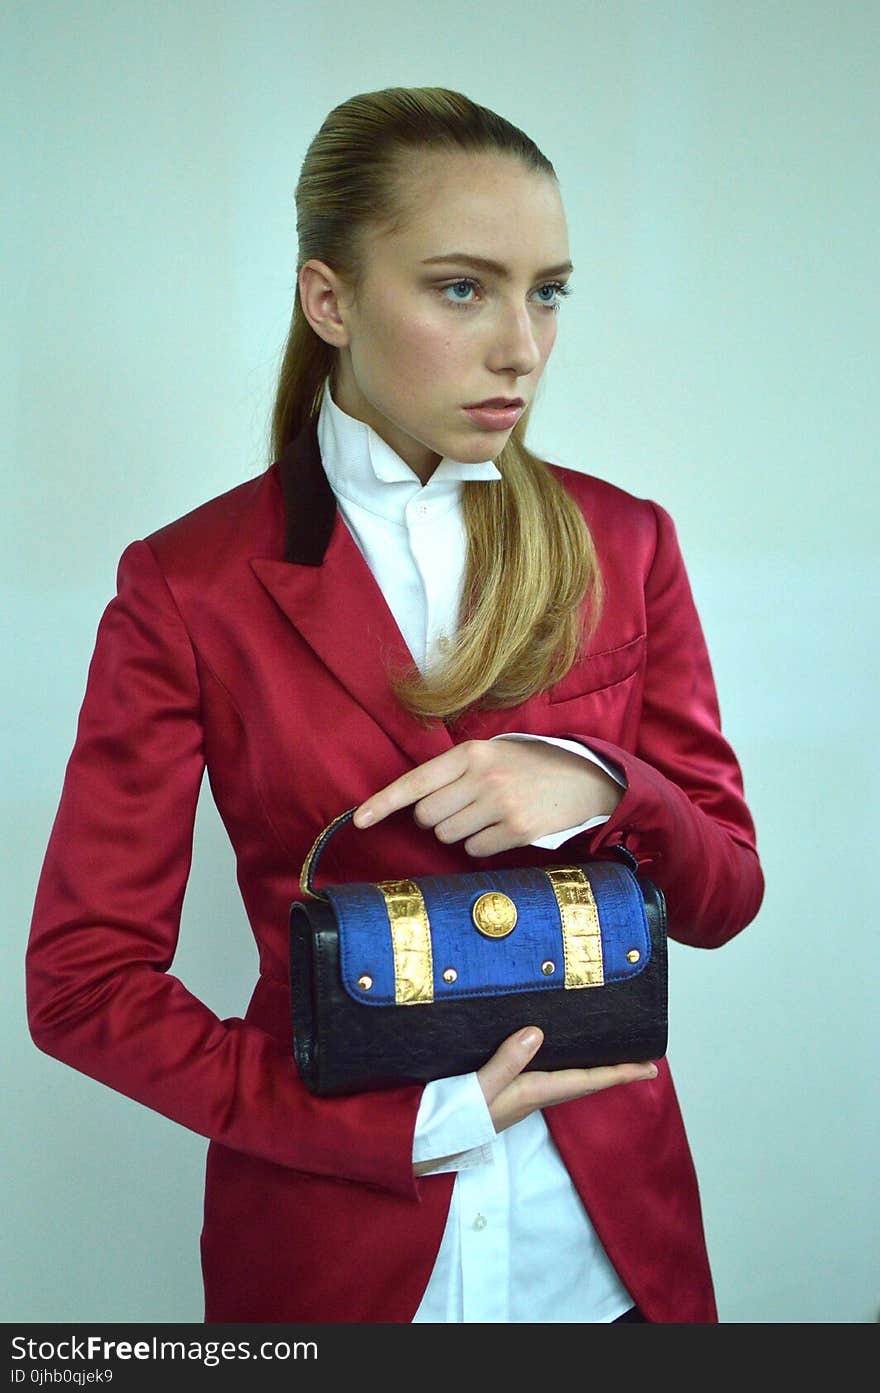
(499, 794)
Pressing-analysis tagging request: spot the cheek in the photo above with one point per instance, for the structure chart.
(547, 338)
(429, 357)
(415, 345)
(431, 336)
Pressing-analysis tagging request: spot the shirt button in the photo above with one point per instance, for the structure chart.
(480, 1222)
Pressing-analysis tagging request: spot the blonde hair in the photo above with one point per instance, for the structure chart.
(531, 561)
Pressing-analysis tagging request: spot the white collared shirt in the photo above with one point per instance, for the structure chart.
(518, 1244)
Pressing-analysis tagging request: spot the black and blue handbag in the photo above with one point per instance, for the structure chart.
(410, 980)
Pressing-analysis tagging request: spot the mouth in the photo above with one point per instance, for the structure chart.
(498, 414)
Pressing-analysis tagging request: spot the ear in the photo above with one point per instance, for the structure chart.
(323, 297)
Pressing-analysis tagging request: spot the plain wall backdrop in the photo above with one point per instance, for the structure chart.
(719, 167)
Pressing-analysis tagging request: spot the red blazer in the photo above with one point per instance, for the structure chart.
(248, 637)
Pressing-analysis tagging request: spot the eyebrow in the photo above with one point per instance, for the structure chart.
(483, 263)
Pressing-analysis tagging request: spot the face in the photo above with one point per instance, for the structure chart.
(425, 340)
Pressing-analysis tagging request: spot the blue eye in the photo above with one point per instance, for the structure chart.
(559, 289)
(454, 286)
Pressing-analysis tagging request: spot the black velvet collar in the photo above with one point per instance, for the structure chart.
(309, 500)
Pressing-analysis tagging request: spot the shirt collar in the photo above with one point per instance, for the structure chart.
(364, 469)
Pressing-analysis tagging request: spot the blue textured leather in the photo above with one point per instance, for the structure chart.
(487, 966)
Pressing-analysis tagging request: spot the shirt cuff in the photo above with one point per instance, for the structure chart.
(453, 1125)
(555, 839)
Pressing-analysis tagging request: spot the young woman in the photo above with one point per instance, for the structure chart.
(493, 656)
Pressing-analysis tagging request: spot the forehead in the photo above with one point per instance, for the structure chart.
(484, 204)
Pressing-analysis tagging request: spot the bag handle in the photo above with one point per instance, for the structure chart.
(310, 865)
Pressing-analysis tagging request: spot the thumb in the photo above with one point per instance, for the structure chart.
(510, 1058)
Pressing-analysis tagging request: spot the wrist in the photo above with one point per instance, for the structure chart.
(606, 792)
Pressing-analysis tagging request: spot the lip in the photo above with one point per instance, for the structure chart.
(498, 402)
(494, 417)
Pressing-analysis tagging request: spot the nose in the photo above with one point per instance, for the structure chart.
(514, 346)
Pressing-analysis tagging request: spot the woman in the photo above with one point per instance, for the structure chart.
(487, 652)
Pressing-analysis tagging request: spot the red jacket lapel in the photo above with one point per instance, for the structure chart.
(328, 592)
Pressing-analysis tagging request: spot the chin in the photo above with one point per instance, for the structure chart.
(479, 453)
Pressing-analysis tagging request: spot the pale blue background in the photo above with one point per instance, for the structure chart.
(719, 167)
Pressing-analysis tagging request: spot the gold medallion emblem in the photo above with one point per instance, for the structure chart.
(494, 914)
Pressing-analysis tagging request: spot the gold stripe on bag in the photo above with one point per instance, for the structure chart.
(411, 941)
(581, 932)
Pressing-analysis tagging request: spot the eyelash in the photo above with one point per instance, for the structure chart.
(559, 286)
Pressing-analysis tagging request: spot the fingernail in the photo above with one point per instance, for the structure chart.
(528, 1039)
(651, 1072)
(362, 819)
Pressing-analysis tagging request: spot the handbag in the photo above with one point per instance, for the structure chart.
(408, 980)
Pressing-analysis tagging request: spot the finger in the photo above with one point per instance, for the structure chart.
(493, 839)
(562, 1085)
(450, 813)
(410, 787)
(509, 1060)
(468, 820)
(466, 812)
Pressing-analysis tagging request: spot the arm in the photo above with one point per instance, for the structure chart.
(683, 813)
(106, 919)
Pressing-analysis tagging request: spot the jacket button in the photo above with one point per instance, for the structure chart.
(480, 1221)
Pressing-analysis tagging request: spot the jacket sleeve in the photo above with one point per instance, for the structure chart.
(106, 919)
(683, 814)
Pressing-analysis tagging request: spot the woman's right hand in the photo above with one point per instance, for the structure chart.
(511, 1095)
